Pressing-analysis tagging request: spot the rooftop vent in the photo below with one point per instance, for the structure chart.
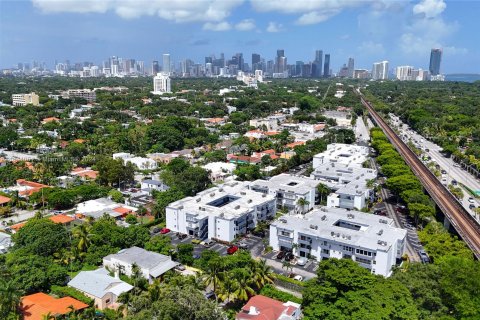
(283, 220)
(212, 194)
(382, 243)
(237, 207)
(199, 199)
(324, 217)
(380, 232)
(332, 234)
(383, 221)
(249, 201)
(314, 227)
(350, 216)
(243, 193)
(220, 189)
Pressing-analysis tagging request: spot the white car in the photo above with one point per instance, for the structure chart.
(298, 277)
(302, 261)
(471, 200)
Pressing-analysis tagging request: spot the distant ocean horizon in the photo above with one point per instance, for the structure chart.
(462, 77)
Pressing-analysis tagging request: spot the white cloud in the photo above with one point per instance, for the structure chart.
(274, 27)
(245, 25)
(371, 48)
(430, 8)
(315, 17)
(221, 26)
(172, 10)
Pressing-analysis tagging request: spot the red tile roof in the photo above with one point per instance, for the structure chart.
(4, 199)
(122, 210)
(294, 144)
(266, 309)
(61, 218)
(50, 119)
(37, 305)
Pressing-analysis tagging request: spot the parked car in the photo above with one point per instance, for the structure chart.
(302, 261)
(232, 249)
(471, 200)
(164, 231)
(454, 182)
(196, 241)
(298, 277)
(289, 256)
(424, 256)
(208, 243)
(181, 236)
(444, 171)
(281, 255)
(155, 230)
(471, 206)
(243, 245)
(456, 165)
(180, 267)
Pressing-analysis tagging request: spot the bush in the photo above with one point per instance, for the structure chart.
(71, 292)
(270, 291)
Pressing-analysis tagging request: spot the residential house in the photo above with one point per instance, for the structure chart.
(149, 185)
(140, 162)
(39, 306)
(98, 207)
(219, 171)
(264, 308)
(5, 242)
(151, 264)
(101, 287)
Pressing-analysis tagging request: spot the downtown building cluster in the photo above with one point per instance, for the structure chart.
(236, 66)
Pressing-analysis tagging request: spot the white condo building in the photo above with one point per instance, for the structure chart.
(23, 99)
(348, 154)
(289, 189)
(161, 84)
(372, 241)
(405, 73)
(380, 70)
(221, 212)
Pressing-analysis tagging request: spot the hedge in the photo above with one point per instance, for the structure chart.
(72, 292)
(270, 291)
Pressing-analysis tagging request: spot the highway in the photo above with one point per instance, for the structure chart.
(460, 219)
(454, 171)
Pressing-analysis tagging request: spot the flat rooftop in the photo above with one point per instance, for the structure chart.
(288, 182)
(353, 228)
(212, 201)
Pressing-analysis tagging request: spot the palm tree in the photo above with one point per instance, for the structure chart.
(9, 297)
(286, 265)
(302, 202)
(244, 289)
(82, 233)
(263, 273)
(323, 191)
(212, 274)
(227, 288)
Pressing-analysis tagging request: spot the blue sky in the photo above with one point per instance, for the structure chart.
(402, 32)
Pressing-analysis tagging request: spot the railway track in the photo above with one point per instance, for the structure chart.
(460, 219)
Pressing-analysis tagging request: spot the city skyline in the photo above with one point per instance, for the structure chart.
(400, 31)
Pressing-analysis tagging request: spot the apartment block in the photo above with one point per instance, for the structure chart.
(22, 99)
(86, 94)
(288, 190)
(348, 154)
(221, 212)
(372, 241)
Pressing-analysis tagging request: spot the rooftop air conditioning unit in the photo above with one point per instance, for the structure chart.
(324, 217)
(212, 194)
(380, 232)
(199, 199)
(237, 207)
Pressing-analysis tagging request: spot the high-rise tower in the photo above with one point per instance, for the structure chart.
(435, 60)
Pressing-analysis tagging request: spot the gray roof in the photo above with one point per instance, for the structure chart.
(154, 182)
(374, 232)
(5, 242)
(98, 283)
(156, 263)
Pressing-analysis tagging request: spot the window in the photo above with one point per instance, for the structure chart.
(325, 251)
(107, 301)
(285, 233)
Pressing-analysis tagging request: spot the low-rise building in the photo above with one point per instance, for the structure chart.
(140, 162)
(350, 184)
(150, 184)
(151, 264)
(219, 171)
(221, 212)
(347, 154)
(101, 287)
(289, 190)
(5, 242)
(86, 94)
(40, 306)
(370, 240)
(23, 99)
(98, 207)
(264, 308)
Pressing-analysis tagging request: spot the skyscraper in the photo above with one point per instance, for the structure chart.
(166, 63)
(280, 61)
(317, 64)
(155, 67)
(255, 61)
(326, 66)
(380, 70)
(435, 60)
(161, 84)
(351, 67)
